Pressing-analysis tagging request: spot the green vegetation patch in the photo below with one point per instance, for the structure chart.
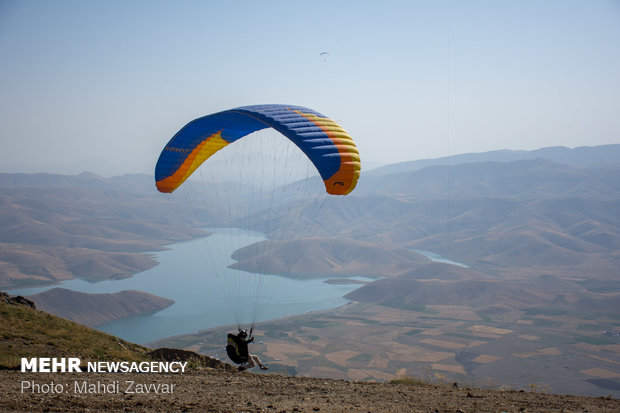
(318, 323)
(544, 322)
(600, 286)
(595, 340)
(593, 327)
(399, 304)
(484, 316)
(547, 310)
(362, 319)
(26, 332)
(460, 335)
(276, 331)
(361, 358)
(183, 341)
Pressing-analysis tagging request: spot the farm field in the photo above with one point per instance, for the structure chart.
(441, 344)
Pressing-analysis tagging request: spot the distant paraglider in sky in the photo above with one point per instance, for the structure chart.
(324, 55)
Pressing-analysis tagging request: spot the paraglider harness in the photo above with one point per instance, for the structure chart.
(237, 346)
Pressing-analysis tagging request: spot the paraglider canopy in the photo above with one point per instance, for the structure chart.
(328, 146)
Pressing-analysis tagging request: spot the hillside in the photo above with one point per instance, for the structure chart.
(28, 332)
(521, 179)
(56, 227)
(325, 256)
(506, 219)
(95, 309)
(420, 287)
(220, 389)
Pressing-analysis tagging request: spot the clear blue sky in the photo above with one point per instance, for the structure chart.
(103, 85)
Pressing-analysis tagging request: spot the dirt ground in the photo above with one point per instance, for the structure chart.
(217, 390)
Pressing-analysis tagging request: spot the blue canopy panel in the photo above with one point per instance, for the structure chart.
(325, 143)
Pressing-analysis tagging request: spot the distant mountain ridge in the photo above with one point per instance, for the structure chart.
(56, 227)
(418, 288)
(86, 180)
(565, 210)
(523, 179)
(529, 214)
(582, 156)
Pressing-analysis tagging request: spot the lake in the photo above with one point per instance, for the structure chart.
(195, 275)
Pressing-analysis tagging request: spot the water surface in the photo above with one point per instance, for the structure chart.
(192, 273)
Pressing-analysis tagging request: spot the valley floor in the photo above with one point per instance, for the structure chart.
(561, 354)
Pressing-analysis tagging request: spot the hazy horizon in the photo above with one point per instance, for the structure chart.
(109, 170)
(105, 85)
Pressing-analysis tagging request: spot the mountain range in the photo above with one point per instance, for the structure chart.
(583, 156)
(496, 211)
(537, 235)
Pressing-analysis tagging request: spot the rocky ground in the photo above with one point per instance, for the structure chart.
(220, 390)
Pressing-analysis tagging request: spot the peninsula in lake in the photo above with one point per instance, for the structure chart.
(96, 309)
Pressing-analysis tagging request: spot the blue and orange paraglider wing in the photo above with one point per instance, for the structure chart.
(325, 143)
